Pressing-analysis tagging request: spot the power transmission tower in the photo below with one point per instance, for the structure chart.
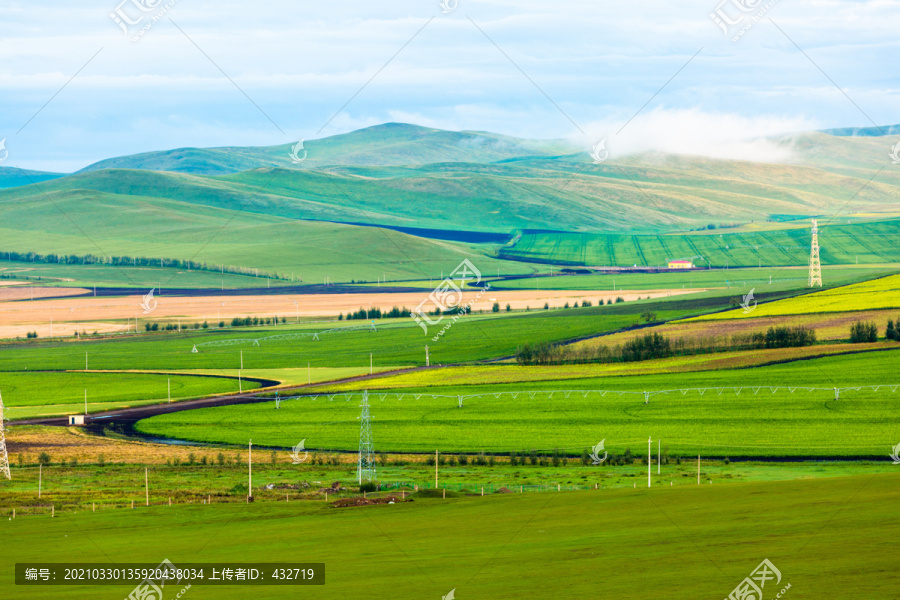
(4, 458)
(365, 466)
(815, 267)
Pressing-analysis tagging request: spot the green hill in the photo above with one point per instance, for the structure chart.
(13, 177)
(386, 144)
(102, 224)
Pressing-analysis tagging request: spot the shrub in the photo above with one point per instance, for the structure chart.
(891, 333)
(383, 458)
(508, 308)
(192, 458)
(496, 307)
(220, 458)
(369, 486)
(652, 345)
(491, 460)
(546, 306)
(44, 458)
(861, 332)
(513, 460)
(586, 457)
(790, 337)
(274, 458)
(533, 457)
(203, 460)
(101, 461)
(620, 299)
(648, 316)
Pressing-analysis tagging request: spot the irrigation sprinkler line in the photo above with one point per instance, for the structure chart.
(584, 393)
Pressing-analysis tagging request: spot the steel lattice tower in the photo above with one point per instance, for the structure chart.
(815, 267)
(365, 466)
(4, 458)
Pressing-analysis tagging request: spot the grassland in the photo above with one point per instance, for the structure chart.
(41, 221)
(870, 242)
(32, 394)
(143, 278)
(502, 546)
(751, 421)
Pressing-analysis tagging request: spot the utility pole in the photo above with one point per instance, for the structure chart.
(365, 465)
(4, 458)
(815, 267)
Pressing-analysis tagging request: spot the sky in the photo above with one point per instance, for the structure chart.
(76, 87)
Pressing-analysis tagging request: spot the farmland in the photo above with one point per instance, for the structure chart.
(872, 242)
(738, 416)
(882, 293)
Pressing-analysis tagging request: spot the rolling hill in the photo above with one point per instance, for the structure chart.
(631, 210)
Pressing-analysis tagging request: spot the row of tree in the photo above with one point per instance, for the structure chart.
(376, 313)
(134, 261)
(656, 345)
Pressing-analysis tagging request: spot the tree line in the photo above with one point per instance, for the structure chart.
(134, 261)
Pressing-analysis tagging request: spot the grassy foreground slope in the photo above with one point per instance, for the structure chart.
(701, 541)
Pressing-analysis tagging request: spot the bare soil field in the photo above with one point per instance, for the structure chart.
(124, 313)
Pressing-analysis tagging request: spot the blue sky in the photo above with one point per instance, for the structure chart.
(576, 70)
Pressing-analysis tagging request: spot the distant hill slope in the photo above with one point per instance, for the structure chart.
(85, 222)
(387, 144)
(13, 177)
(641, 193)
(864, 131)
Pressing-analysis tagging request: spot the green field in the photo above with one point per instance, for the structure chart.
(871, 242)
(30, 394)
(723, 421)
(739, 280)
(393, 344)
(701, 541)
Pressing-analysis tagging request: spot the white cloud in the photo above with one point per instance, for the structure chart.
(695, 132)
